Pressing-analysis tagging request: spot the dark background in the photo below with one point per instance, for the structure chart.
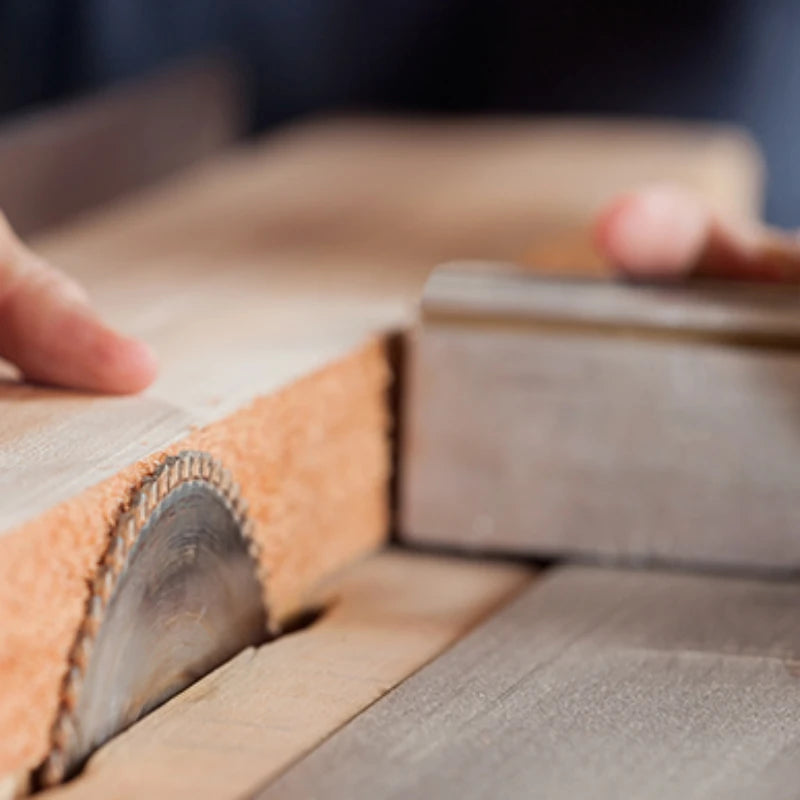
(736, 61)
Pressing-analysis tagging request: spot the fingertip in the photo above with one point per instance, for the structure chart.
(119, 364)
(606, 224)
(658, 232)
(49, 331)
(54, 337)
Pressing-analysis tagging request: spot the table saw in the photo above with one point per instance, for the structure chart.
(304, 564)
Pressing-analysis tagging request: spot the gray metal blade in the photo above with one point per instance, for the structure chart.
(184, 598)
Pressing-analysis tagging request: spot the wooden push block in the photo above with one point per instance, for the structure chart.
(604, 419)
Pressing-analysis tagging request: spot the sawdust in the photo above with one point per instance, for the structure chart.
(312, 461)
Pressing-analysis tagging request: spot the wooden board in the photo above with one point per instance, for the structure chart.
(726, 312)
(594, 683)
(266, 708)
(606, 420)
(263, 280)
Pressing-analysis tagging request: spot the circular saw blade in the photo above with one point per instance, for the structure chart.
(177, 594)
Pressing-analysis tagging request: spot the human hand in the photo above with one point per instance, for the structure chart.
(50, 332)
(665, 232)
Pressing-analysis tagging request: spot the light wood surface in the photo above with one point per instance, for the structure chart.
(338, 224)
(611, 421)
(266, 708)
(594, 683)
(262, 280)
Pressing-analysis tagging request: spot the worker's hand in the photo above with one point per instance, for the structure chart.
(50, 332)
(667, 232)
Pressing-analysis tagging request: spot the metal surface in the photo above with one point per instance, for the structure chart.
(176, 595)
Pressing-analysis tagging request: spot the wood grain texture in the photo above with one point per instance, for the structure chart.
(610, 421)
(64, 161)
(312, 462)
(265, 280)
(266, 708)
(593, 683)
(337, 223)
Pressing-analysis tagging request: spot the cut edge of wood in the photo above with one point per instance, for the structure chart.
(318, 489)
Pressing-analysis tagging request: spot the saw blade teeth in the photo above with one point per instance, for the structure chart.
(240, 506)
(104, 586)
(83, 647)
(132, 522)
(127, 530)
(115, 557)
(64, 732)
(94, 617)
(226, 483)
(217, 471)
(169, 470)
(150, 490)
(162, 482)
(253, 547)
(141, 508)
(54, 768)
(72, 690)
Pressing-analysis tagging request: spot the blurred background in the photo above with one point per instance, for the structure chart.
(719, 60)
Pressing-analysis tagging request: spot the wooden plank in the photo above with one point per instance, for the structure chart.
(63, 161)
(340, 221)
(256, 715)
(262, 280)
(594, 683)
(621, 423)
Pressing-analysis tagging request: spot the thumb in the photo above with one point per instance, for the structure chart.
(665, 232)
(48, 330)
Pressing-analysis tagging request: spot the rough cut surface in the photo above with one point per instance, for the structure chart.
(260, 279)
(317, 495)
